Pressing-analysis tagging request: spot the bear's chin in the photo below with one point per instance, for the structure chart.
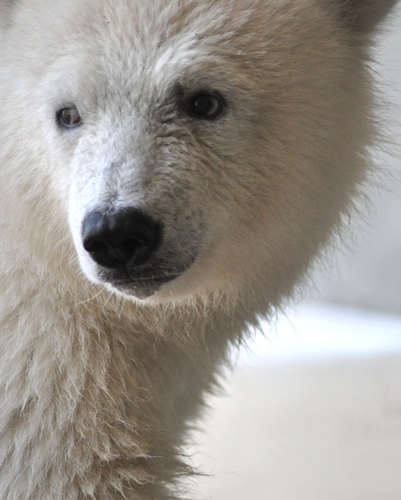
(153, 284)
(141, 291)
(182, 289)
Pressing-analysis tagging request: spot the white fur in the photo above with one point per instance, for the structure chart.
(96, 386)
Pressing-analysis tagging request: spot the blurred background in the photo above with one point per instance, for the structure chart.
(312, 410)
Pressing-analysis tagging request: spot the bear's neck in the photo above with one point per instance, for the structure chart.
(89, 382)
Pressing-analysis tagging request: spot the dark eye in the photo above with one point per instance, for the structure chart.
(68, 117)
(206, 105)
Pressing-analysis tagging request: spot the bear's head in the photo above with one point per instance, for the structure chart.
(192, 147)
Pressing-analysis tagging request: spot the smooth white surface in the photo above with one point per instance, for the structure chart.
(312, 414)
(313, 331)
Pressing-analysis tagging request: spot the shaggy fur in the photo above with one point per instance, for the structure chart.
(98, 380)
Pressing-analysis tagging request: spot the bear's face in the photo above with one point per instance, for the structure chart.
(162, 135)
(198, 147)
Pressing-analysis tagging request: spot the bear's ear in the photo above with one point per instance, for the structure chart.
(362, 15)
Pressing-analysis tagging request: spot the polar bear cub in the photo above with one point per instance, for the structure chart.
(168, 169)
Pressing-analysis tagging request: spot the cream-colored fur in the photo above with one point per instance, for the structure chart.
(97, 387)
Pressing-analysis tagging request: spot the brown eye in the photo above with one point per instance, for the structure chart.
(206, 106)
(68, 117)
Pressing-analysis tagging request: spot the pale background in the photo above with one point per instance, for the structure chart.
(313, 411)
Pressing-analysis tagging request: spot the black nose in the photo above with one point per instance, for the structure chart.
(116, 239)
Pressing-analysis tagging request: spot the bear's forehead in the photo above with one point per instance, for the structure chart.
(164, 34)
(153, 43)
(149, 28)
(131, 49)
(135, 36)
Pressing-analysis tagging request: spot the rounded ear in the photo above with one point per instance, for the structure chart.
(362, 15)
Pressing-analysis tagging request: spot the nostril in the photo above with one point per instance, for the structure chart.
(103, 253)
(93, 245)
(121, 238)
